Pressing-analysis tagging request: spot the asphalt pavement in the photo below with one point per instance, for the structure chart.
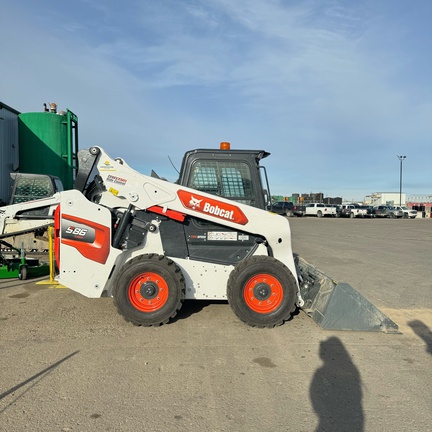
(69, 363)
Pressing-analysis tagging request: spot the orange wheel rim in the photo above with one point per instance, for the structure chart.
(263, 293)
(148, 292)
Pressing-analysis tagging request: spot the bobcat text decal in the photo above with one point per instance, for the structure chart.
(212, 207)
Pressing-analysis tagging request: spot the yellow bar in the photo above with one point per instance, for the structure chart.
(51, 280)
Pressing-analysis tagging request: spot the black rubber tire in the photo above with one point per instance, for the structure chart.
(319, 213)
(237, 290)
(168, 275)
(22, 275)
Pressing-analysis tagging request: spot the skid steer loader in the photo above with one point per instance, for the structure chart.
(150, 244)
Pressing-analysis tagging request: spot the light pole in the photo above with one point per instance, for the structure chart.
(401, 158)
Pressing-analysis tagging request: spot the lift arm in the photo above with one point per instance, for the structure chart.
(28, 216)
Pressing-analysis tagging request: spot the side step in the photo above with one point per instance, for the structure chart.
(338, 306)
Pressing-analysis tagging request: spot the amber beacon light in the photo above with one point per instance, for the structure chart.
(225, 146)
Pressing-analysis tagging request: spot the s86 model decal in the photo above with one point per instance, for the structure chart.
(78, 232)
(91, 239)
(212, 207)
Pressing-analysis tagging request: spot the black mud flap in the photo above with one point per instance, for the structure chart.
(338, 306)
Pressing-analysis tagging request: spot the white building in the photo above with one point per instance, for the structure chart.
(385, 198)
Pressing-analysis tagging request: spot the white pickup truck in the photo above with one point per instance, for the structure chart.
(352, 210)
(319, 210)
(408, 213)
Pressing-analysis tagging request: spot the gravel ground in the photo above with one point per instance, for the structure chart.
(73, 364)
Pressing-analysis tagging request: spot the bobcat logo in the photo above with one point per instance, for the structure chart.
(194, 203)
(212, 207)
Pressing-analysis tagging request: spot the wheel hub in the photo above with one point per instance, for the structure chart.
(149, 290)
(262, 291)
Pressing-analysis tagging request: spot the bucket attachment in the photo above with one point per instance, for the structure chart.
(338, 306)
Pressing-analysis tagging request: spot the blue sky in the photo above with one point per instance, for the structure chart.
(334, 90)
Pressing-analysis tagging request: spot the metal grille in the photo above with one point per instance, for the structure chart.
(227, 179)
(204, 177)
(232, 183)
(31, 189)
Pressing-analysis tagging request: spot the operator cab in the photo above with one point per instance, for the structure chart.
(233, 174)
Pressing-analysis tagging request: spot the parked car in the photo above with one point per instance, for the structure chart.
(380, 211)
(342, 211)
(284, 208)
(298, 210)
(369, 211)
(351, 210)
(408, 213)
(395, 212)
(287, 208)
(320, 210)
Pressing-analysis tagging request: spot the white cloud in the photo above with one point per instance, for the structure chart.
(313, 82)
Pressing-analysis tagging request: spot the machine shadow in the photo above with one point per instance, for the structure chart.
(336, 390)
(424, 332)
(192, 307)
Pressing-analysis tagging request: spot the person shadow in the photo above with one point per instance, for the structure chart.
(336, 390)
(424, 332)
